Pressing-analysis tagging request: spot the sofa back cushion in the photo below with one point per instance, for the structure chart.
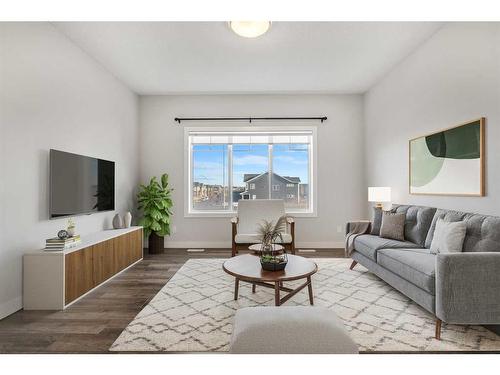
(482, 233)
(417, 223)
(376, 221)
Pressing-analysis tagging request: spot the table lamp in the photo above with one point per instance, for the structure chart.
(379, 195)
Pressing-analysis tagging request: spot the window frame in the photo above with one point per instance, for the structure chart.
(188, 171)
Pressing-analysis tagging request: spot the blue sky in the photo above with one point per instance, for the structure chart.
(210, 162)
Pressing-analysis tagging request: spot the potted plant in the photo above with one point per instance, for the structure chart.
(156, 202)
(271, 259)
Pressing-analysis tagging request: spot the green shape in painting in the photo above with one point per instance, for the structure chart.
(424, 165)
(463, 142)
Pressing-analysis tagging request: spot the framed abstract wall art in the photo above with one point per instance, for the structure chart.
(449, 162)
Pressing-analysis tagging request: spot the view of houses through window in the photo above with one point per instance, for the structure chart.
(226, 168)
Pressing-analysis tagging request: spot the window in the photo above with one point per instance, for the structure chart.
(210, 184)
(291, 162)
(226, 165)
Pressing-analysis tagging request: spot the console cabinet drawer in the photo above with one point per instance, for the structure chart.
(103, 261)
(78, 269)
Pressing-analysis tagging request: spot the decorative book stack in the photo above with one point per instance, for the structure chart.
(56, 243)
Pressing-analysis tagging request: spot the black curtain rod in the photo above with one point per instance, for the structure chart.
(249, 119)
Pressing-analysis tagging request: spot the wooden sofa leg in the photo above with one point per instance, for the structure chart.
(438, 329)
(353, 264)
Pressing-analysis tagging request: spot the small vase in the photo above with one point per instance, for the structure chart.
(71, 231)
(117, 222)
(127, 220)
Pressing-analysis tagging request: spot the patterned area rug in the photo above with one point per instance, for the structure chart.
(193, 312)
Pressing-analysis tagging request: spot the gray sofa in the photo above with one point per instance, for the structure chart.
(459, 288)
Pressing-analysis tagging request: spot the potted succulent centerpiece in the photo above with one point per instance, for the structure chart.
(155, 201)
(272, 259)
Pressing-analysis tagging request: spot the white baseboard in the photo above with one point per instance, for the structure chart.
(11, 306)
(197, 245)
(227, 245)
(320, 245)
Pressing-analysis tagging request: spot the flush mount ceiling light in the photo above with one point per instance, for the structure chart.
(250, 29)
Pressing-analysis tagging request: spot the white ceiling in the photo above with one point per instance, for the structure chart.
(206, 57)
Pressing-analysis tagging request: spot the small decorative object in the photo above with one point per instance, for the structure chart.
(127, 219)
(71, 227)
(117, 222)
(270, 259)
(155, 200)
(449, 162)
(62, 234)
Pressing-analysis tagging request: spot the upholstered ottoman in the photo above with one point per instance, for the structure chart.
(290, 330)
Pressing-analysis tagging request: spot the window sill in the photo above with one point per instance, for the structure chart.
(213, 214)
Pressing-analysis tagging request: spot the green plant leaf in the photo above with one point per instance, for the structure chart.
(155, 202)
(164, 181)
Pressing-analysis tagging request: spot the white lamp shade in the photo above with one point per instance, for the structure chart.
(379, 194)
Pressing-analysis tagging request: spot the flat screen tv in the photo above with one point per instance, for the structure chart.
(80, 184)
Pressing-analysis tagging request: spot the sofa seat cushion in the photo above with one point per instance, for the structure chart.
(417, 266)
(368, 245)
(255, 238)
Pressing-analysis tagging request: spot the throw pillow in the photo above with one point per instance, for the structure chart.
(393, 225)
(377, 221)
(448, 237)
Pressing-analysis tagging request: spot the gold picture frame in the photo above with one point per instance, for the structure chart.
(426, 167)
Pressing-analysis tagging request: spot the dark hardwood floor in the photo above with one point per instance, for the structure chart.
(93, 323)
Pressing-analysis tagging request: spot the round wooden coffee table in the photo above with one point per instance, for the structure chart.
(247, 268)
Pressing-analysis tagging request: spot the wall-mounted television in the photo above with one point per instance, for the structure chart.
(80, 184)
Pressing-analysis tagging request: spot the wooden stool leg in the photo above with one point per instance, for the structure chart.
(277, 293)
(253, 288)
(310, 289)
(438, 329)
(236, 287)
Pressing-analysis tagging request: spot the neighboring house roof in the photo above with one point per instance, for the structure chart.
(295, 180)
(251, 177)
(247, 177)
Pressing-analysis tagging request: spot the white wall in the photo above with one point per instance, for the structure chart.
(341, 188)
(52, 95)
(454, 77)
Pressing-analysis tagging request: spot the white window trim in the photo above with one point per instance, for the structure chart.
(313, 157)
